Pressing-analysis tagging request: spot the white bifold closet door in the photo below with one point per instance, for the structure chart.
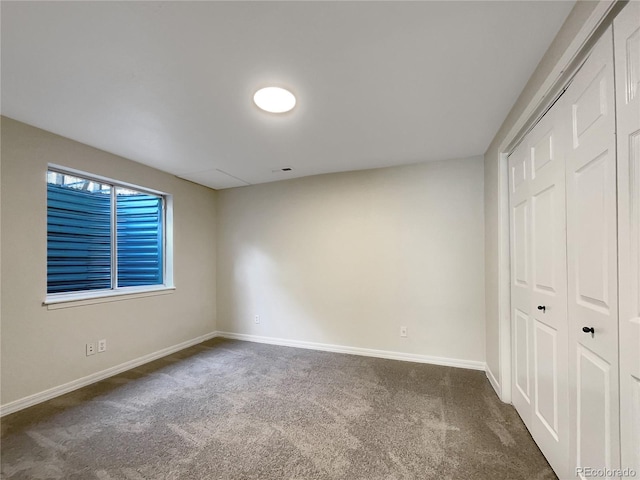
(574, 193)
(538, 287)
(592, 261)
(627, 59)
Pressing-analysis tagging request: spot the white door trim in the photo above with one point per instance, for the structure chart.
(544, 97)
(504, 280)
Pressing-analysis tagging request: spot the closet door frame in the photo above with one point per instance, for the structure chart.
(626, 29)
(554, 84)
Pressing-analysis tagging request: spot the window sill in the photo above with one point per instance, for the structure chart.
(54, 302)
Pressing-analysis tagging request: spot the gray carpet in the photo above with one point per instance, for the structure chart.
(237, 410)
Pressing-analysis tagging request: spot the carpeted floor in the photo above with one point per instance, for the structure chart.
(237, 410)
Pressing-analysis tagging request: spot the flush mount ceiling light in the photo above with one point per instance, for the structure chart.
(274, 99)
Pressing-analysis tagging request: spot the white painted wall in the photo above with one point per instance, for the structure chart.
(44, 348)
(572, 25)
(346, 259)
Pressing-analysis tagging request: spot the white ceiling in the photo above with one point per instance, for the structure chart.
(170, 84)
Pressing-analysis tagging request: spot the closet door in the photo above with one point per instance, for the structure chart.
(592, 261)
(539, 301)
(626, 29)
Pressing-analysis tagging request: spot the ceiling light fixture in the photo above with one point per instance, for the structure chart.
(274, 99)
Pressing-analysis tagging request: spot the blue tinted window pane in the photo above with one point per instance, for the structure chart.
(139, 239)
(78, 234)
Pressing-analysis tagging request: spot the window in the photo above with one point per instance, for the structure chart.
(103, 237)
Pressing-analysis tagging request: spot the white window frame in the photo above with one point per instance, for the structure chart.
(118, 293)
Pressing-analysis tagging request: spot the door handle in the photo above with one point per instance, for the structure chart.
(543, 308)
(590, 330)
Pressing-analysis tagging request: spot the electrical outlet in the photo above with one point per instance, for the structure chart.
(403, 331)
(91, 349)
(102, 345)
(257, 319)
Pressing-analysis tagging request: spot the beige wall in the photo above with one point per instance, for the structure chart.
(567, 33)
(346, 259)
(44, 348)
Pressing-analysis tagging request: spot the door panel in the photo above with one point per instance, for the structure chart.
(592, 261)
(546, 376)
(593, 410)
(517, 166)
(592, 226)
(521, 250)
(631, 430)
(627, 56)
(544, 248)
(590, 106)
(542, 152)
(522, 353)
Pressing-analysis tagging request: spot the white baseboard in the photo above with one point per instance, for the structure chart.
(367, 352)
(40, 397)
(494, 383)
